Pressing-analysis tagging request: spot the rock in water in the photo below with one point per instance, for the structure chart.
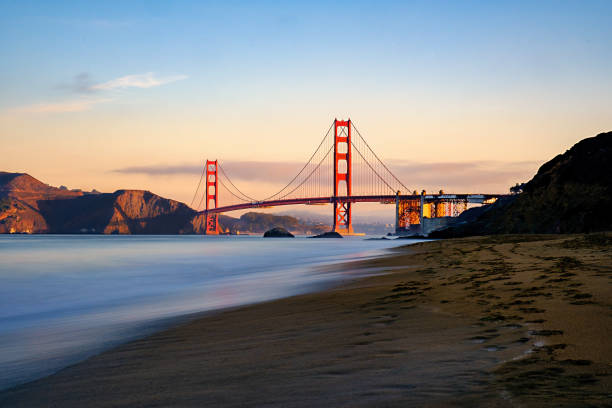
(278, 233)
(330, 234)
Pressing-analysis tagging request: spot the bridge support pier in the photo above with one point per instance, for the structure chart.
(423, 214)
(342, 218)
(342, 160)
(408, 215)
(212, 198)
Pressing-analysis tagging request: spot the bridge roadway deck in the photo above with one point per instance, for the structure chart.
(386, 199)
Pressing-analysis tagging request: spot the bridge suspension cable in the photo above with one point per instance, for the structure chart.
(244, 197)
(198, 188)
(405, 189)
(307, 177)
(277, 195)
(199, 206)
(371, 168)
(369, 175)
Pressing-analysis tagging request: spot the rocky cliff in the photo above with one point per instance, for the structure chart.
(30, 206)
(20, 195)
(571, 193)
(121, 212)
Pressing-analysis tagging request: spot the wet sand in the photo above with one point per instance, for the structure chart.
(486, 321)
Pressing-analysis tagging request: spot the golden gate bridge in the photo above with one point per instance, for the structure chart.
(343, 170)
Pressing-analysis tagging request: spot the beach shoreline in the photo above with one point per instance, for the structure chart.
(485, 321)
(62, 302)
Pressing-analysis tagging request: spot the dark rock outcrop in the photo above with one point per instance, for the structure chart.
(571, 193)
(278, 233)
(329, 234)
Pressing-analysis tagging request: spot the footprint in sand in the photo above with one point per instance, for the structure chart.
(545, 332)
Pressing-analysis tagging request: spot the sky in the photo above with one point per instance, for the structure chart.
(468, 96)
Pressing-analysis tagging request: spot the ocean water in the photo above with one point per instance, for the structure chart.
(64, 298)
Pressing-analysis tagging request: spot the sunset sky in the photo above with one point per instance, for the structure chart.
(465, 96)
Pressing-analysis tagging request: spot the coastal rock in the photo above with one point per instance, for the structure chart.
(571, 193)
(329, 234)
(278, 233)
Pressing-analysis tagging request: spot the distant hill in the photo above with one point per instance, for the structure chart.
(259, 222)
(30, 206)
(571, 193)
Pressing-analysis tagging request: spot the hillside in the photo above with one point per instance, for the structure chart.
(20, 195)
(258, 222)
(571, 193)
(30, 206)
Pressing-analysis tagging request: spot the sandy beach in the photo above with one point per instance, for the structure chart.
(486, 321)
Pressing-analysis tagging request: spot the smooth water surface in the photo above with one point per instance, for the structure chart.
(64, 298)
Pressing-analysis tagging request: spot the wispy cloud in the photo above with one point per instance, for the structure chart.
(248, 171)
(147, 80)
(465, 176)
(162, 170)
(78, 105)
(83, 84)
(496, 176)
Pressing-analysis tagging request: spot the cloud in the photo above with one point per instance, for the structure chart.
(78, 105)
(248, 171)
(270, 172)
(84, 84)
(81, 83)
(493, 176)
(161, 170)
(147, 80)
(465, 176)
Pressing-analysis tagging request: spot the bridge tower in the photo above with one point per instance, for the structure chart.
(342, 172)
(212, 198)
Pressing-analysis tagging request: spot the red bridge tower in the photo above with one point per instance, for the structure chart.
(342, 172)
(212, 194)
